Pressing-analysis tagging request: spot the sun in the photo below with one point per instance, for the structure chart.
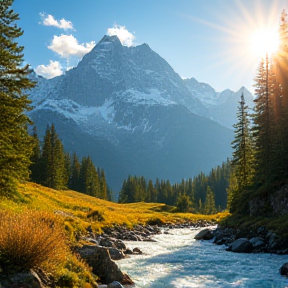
(264, 41)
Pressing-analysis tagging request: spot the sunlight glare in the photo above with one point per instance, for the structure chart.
(264, 41)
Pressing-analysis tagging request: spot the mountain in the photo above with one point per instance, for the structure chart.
(132, 113)
(220, 106)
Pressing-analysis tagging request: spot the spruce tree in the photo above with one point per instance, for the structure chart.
(151, 193)
(209, 205)
(74, 183)
(15, 143)
(280, 64)
(262, 125)
(123, 195)
(67, 169)
(183, 203)
(89, 178)
(35, 158)
(103, 185)
(243, 149)
(53, 161)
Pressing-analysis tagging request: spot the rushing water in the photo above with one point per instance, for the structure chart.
(176, 260)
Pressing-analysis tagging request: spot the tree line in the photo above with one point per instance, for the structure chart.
(203, 193)
(52, 167)
(260, 157)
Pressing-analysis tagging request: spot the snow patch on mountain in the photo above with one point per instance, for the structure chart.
(77, 112)
(151, 97)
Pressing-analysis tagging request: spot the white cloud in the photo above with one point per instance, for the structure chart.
(49, 20)
(67, 45)
(52, 70)
(122, 33)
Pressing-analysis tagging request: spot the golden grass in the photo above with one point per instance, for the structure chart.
(76, 209)
(30, 239)
(77, 212)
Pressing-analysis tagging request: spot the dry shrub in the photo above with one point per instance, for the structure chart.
(31, 239)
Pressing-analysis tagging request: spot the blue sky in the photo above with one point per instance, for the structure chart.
(209, 40)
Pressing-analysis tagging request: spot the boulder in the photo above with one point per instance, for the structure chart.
(241, 245)
(114, 284)
(205, 234)
(106, 242)
(116, 254)
(137, 250)
(222, 240)
(284, 269)
(272, 239)
(128, 251)
(29, 279)
(98, 258)
(258, 243)
(120, 245)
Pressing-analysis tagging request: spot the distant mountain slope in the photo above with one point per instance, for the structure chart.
(132, 113)
(221, 106)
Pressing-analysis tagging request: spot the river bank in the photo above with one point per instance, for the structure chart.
(113, 244)
(177, 260)
(260, 240)
(170, 240)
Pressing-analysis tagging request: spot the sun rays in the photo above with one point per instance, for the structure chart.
(246, 34)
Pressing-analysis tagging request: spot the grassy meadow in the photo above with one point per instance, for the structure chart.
(79, 211)
(39, 228)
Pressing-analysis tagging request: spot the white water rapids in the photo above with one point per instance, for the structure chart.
(177, 260)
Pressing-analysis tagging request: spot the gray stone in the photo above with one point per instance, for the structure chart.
(137, 250)
(257, 242)
(29, 279)
(284, 269)
(116, 254)
(205, 234)
(241, 245)
(128, 251)
(106, 242)
(114, 284)
(120, 245)
(98, 258)
(272, 239)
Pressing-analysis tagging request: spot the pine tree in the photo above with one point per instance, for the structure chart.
(15, 143)
(124, 193)
(281, 58)
(89, 178)
(35, 158)
(232, 193)
(151, 192)
(243, 149)
(109, 194)
(183, 203)
(209, 205)
(74, 183)
(67, 169)
(53, 161)
(280, 65)
(103, 185)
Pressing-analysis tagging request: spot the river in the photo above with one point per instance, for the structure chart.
(176, 260)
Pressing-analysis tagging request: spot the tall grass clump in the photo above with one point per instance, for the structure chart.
(76, 273)
(31, 239)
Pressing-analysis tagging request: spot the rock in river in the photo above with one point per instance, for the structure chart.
(205, 234)
(241, 245)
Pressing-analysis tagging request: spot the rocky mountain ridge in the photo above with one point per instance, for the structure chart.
(133, 114)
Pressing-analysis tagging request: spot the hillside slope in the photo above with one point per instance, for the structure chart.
(77, 208)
